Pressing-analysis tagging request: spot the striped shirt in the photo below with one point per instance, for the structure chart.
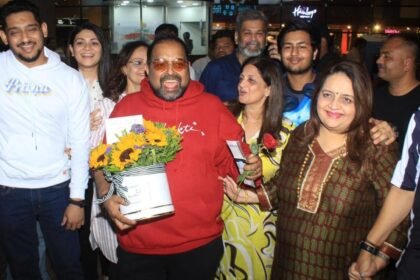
(406, 175)
(102, 234)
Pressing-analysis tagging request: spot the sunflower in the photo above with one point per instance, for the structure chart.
(98, 157)
(133, 139)
(124, 153)
(156, 138)
(141, 146)
(155, 135)
(134, 156)
(149, 126)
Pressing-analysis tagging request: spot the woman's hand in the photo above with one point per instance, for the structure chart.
(273, 51)
(382, 132)
(236, 194)
(95, 119)
(366, 266)
(253, 166)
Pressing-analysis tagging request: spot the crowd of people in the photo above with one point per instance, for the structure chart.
(331, 196)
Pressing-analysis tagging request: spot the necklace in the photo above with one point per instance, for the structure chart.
(311, 203)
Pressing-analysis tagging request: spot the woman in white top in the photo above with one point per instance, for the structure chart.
(89, 53)
(125, 78)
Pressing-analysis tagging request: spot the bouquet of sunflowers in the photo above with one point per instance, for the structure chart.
(135, 166)
(144, 145)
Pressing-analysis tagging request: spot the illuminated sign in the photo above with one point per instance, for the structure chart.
(225, 10)
(304, 12)
(222, 12)
(391, 31)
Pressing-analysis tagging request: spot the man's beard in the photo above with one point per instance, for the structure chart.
(171, 96)
(245, 52)
(27, 59)
(298, 71)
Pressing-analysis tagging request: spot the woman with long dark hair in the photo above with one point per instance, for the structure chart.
(331, 182)
(125, 78)
(129, 70)
(88, 52)
(249, 235)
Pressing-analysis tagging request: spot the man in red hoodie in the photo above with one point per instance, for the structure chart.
(188, 244)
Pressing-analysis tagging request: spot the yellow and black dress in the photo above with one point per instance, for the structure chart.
(249, 235)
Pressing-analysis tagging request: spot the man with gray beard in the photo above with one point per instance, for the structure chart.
(221, 76)
(188, 244)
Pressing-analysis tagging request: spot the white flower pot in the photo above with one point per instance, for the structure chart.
(147, 192)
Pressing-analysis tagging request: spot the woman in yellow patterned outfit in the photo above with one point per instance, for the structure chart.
(250, 233)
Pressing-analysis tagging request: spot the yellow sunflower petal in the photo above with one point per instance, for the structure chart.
(98, 157)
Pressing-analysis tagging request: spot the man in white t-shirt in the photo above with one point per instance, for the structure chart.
(44, 108)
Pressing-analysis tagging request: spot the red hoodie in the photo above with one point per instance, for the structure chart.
(197, 194)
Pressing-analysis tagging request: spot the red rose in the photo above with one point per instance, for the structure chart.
(269, 142)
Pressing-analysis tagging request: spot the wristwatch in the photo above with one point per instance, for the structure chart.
(369, 248)
(80, 203)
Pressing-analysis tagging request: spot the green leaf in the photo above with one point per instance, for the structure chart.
(255, 148)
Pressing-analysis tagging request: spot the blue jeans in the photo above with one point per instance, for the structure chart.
(42, 251)
(20, 209)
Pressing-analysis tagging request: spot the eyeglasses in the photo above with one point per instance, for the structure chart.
(162, 65)
(138, 63)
